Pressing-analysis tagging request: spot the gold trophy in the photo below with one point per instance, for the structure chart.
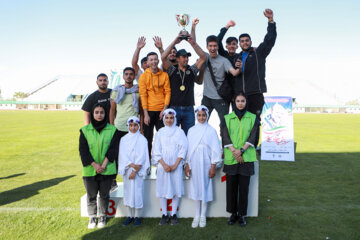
(183, 21)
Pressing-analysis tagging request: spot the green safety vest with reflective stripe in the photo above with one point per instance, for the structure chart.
(239, 132)
(99, 143)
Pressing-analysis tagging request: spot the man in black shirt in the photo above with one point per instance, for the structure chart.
(182, 77)
(102, 95)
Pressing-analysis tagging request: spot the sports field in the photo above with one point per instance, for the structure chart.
(316, 197)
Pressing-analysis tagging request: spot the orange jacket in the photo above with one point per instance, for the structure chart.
(154, 89)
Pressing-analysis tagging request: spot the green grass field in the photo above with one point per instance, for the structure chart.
(316, 197)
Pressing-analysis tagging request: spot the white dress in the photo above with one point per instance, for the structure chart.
(170, 143)
(133, 149)
(204, 150)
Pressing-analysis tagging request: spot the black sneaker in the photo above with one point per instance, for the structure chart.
(137, 222)
(164, 220)
(232, 219)
(174, 220)
(127, 221)
(242, 221)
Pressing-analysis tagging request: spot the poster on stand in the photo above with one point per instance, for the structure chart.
(277, 129)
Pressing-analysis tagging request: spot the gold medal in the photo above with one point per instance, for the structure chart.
(182, 88)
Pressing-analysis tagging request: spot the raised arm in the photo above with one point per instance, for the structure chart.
(158, 44)
(134, 62)
(269, 40)
(198, 51)
(221, 35)
(165, 61)
(194, 23)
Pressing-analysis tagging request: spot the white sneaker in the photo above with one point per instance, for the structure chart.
(92, 223)
(195, 222)
(102, 222)
(202, 222)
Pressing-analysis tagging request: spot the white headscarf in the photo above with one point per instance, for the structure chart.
(169, 130)
(205, 132)
(133, 142)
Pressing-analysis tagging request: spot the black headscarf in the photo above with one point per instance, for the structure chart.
(96, 124)
(240, 113)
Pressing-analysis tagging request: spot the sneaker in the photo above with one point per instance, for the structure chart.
(174, 220)
(232, 219)
(102, 222)
(164, 220)
(92, 223)
(127, 221)
(242, 221)
(114, 186)
(195, 222)
(137, 222)
(202, 222)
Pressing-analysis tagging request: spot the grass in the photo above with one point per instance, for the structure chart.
(316, 197)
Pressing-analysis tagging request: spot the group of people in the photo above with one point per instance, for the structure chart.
(118, 134)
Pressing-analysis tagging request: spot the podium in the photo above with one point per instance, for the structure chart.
(151, 209)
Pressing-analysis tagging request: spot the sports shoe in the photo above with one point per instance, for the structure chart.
(174, 220)
(127, 221)
(137, 222)
(114, 186)
(102, 222)
(164, 220)
(92, 223)
(195, 222)
(202, 222)
(242, 221)
(232, 219)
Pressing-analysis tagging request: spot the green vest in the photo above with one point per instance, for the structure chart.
(99, 143)
(239, 132)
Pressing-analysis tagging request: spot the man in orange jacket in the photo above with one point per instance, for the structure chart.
(155, 92)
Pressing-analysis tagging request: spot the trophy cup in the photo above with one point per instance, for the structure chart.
(183, 21)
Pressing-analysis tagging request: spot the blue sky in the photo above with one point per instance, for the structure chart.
(317, 49)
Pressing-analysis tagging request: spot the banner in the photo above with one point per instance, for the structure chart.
(277, 129)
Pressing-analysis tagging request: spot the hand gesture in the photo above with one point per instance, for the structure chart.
(240, 160)
(178, 38)
(98, 168)
(230, 23)
(166, 168)
(187, 171)
(212, 172)
(173, 167)
(269, 13)
(236, 153)
(141, 42)
(137, 167)
(132, 175)
(195, 22)
(158, 42)
(238, 63)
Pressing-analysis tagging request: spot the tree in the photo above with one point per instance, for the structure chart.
(20, 95)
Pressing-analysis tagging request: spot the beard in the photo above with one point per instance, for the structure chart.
(172, 60)
(103, 87)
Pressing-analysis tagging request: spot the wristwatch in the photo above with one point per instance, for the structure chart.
(242, 151)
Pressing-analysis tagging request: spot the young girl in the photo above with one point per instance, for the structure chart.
(204, 153)
(239, 138)
(133, 164)
(169, 150)
(99, 147)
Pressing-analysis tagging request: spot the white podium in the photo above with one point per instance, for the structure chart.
(216, 208)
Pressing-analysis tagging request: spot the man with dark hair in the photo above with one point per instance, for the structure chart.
(252, 79)
(140, 44)
(102, 95)
(171, 57)
(154, 89)
(231, 44)
(220, 66)
(182, 77)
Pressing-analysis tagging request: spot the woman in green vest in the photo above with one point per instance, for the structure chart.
(238, 139)
(99, 148)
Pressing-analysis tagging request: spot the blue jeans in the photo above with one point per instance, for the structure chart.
(185, 116)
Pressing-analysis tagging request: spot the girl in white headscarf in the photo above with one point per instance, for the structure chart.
(168, 153)
(204, 153)
(133, 164)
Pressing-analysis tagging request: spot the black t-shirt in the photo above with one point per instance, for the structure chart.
(186, 97)
(98, 97)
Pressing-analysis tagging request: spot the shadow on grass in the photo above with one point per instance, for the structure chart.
(12, 176)
(30, 190)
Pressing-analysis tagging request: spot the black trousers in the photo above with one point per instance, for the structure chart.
(94, 186)
(237, 191)
(255, 103)
(149, 130)
(221, 106)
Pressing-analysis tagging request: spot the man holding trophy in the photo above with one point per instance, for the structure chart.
(182, 76)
